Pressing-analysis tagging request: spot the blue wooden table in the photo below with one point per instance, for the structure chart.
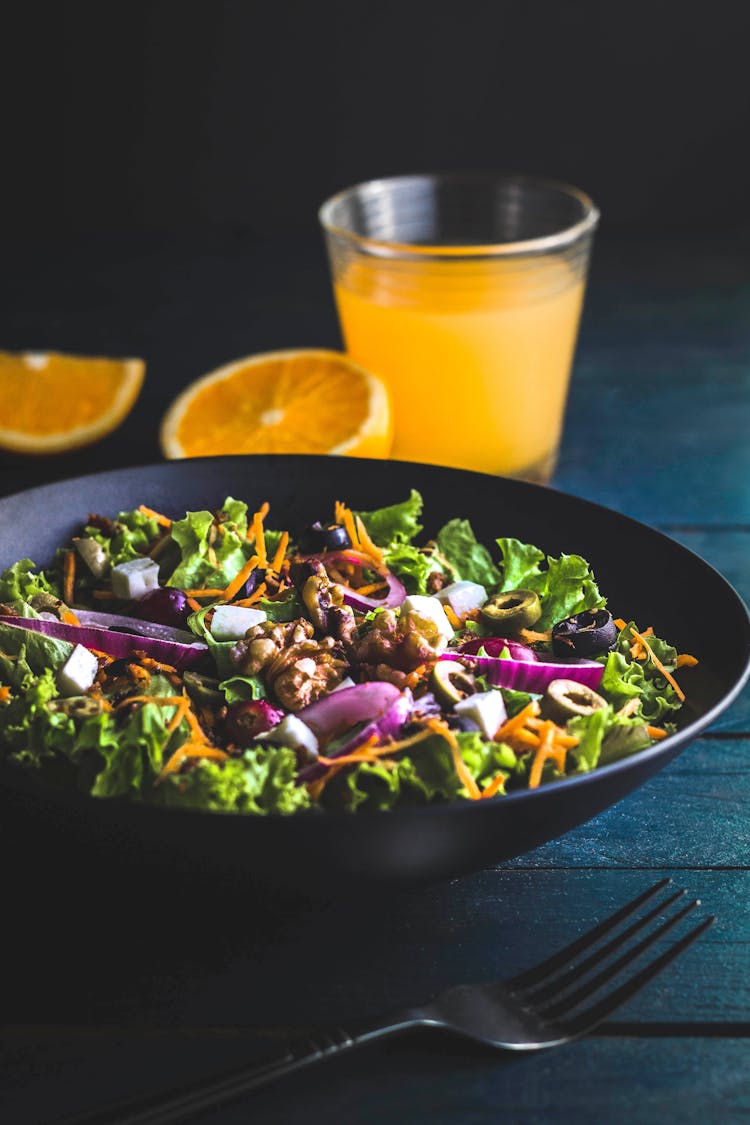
(658, 428)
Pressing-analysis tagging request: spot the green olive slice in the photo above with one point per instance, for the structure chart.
(451, 682)
(77, 706)
(513, 610)
(564, 699)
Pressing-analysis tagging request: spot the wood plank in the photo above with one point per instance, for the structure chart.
(255, 963)
(418, 1078)
(662, 375)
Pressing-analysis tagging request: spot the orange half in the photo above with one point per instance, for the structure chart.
(304, 401)
(50, 403)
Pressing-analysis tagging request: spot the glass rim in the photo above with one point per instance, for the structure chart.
(386, 248)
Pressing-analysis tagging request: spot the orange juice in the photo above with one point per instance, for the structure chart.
(476, 351)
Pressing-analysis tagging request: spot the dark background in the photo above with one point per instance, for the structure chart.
(173, 116)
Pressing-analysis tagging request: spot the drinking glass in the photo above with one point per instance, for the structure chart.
(464, 293)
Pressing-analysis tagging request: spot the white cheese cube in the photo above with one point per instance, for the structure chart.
(295, 734)
(430, 608)
(78, 672)
(135, 578)
(231, 622)
(462, 597)
(486, 709)
(93, 554)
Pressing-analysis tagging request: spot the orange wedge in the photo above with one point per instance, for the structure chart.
(50, 403)
(305, 401)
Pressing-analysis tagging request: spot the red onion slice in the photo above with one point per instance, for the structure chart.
(381, 706)
(135, 625)
(493, 646)
(525, 675)
(119, 645)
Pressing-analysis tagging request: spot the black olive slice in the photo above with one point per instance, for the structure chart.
(564, 699)
(584, 634)
(324, 537)
(513, 610)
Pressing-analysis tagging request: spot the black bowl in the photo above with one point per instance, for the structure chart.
(645, 575)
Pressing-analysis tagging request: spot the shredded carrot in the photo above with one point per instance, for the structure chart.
(157, 665)
(637, 649)
(194, 605)
(105, 656)
(163, 521)
(159, 545)
(684, 660)
(260, 542)
(366, 544)
(547, 750)
(191, 750)
(629, 708)
(497, 783)
(278, 558)
(179, 715)
(620, 623)
(345, 518)
(4, 694)
(563, 739)
(242, 575)
(69, 575)
(512, 726)
(452, 618)
(530, 635)
(465, 777)
(667, 675)
(256, 595)
(365, 591)
(69, 618)
(208, 592)
(656, 732)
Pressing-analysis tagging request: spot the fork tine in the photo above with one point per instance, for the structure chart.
(609, 972)
(558, 960)
(597, 1013)
(558, 983)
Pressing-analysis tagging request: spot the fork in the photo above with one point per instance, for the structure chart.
(542, 1007)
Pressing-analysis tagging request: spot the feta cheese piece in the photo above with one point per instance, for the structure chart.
(134, 579)
(345, 683)
(78, 672)
(94, 554)
(431, 608)
(295, 734)
(486, 709)
(231, 622)
(462, 597)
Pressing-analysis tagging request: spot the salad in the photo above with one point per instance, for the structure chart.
(221, 662)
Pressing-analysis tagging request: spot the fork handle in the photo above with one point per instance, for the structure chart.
(169, 1107)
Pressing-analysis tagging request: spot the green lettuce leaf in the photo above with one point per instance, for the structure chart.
(230, 550)
(24, 652)
(605, 737)
(565, 585)
(425, 774)
(470, 560)
(132, 535)
(625, 678)
(23, 581)
(288, 608)
(412, 566)
(262, 781)
(398, 523)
